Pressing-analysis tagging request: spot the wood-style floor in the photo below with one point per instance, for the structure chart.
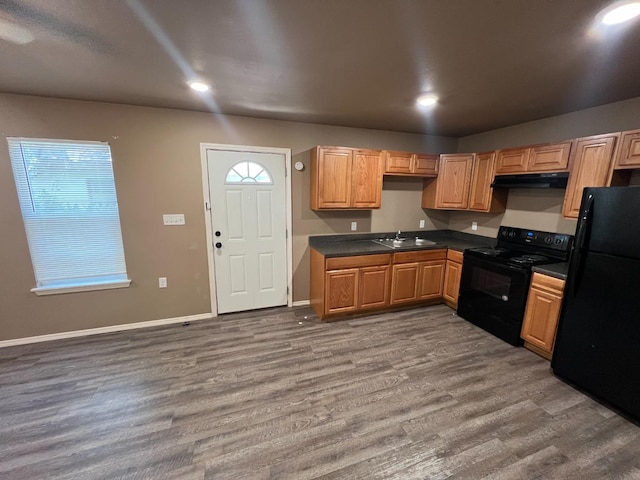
(275, 394)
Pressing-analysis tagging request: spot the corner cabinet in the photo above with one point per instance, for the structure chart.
(591, 161)
(345, 178)
(483, 198)
(542, 314)
(450, 191)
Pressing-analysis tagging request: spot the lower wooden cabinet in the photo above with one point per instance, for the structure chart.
(374, 287)
(452, 276)
(417, 276)
(342, 285)
(542, 314)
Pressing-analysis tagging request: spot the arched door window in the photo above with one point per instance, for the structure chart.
(248, 172)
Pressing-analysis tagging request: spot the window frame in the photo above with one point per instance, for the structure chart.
(99, 281)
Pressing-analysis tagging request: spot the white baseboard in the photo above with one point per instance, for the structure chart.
(111, 328)
(301, 303)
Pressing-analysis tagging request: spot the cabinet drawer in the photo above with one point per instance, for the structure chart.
(419, 256)
(454, 255)
(547, 283)
(337, 263)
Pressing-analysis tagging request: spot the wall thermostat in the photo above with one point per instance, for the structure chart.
(299, 166)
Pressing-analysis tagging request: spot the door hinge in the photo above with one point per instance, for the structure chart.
(287, 290)
(286, 234)
(207, 206)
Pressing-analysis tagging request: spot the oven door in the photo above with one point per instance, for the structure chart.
(493, 296)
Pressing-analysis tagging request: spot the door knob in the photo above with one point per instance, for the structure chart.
(218, 245)
(217, 233)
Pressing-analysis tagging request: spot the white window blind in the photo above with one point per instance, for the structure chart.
(68, 199)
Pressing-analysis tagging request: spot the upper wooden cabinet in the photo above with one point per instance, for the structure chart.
(345, 178)
(539, 158)
(629, 151)
(482, 197)
(591, 159)
(406, 163)
(451, 189)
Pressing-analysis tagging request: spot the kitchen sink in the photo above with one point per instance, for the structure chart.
(403, 242)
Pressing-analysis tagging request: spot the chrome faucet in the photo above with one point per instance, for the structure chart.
(398, 235)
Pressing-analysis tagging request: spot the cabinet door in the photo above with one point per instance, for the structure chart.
(453, 181)
(398, 162)
(333, 184)
(629, 154)
(591, 163)
(431, 279)
(341, 290)
(512, 160)
(366, 179)
(404, 283)
(374, 287)
(542, 313)
(425, 165)
(452, 274)
(483, 168)
(550, 158)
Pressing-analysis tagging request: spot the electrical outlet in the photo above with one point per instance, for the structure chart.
(474, 225)
(162, 282)
(421, 223)
(173, 219)
(354, 226)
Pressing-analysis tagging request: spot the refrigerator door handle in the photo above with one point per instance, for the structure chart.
(585, 223)
(577, 256)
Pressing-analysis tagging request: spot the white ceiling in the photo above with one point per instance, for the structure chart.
(357, 63)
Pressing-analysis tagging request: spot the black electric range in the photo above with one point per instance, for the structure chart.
(495, 280)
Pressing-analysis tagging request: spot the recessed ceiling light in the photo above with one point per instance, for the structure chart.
(199, 86)
(14, 33)
(621, 13)
(427, 100)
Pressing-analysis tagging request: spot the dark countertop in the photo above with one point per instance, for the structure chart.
(557, 270)
(362, 244)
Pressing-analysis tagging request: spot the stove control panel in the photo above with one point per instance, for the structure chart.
(547, 240)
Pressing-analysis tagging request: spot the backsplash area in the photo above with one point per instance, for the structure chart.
(535, 209)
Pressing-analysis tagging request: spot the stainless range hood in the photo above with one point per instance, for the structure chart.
(532, 180)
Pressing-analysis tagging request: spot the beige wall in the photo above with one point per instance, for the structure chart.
(157, 168)
(542, 210)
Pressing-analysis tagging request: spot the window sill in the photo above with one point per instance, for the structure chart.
(81, 288)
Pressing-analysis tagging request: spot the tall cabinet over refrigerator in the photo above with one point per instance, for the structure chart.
(597, 346)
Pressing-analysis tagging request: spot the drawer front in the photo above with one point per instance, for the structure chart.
(454, 255)
(337, 263)
(419, 256)
(547, 283)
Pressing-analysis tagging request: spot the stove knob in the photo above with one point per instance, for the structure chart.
(512, 234)
(548, 239)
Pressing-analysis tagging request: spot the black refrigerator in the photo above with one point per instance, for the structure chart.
(597, 346)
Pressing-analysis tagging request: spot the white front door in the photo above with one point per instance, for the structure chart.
(248, 218)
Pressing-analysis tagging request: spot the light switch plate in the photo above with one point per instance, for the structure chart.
(474, 225)
(421, 223)
(354, 226)
(173, 218)
(162, 282)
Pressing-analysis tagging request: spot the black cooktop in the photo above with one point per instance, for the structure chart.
(525, 248)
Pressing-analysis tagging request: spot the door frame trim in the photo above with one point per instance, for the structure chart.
(204, 147)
